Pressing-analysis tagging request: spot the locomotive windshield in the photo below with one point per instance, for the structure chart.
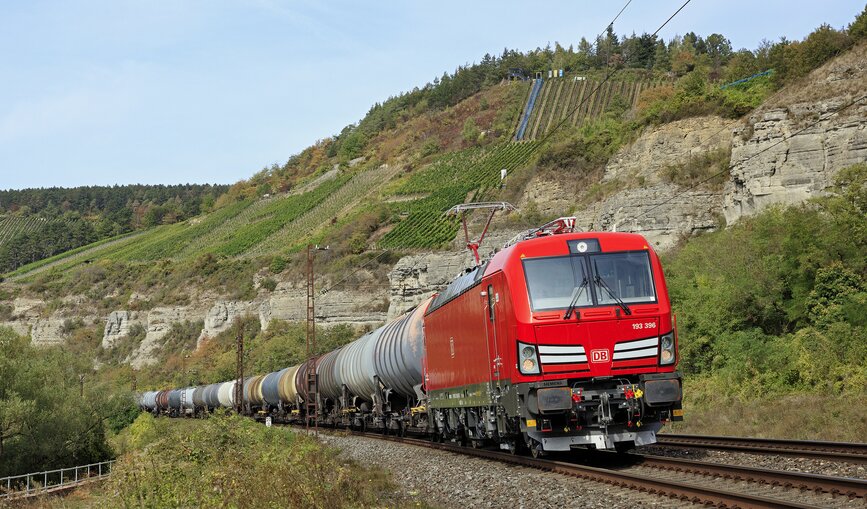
(552, 281)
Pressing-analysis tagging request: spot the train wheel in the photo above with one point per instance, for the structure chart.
(512, 447)
(536, 450)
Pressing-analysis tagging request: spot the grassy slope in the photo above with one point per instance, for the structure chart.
(255, 228)
(183, 463)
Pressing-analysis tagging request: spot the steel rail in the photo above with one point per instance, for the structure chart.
(662, 487)
(835, 451)
(843, 486)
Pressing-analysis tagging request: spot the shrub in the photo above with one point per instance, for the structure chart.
(711, 165)
(470, 132)
(278, 265)
(269, 284)
(231, 461)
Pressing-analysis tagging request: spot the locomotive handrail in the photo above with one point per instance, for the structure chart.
(24, 485)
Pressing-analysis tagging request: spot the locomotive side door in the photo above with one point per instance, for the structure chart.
(492, 322)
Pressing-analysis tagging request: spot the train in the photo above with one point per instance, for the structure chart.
(560, 340)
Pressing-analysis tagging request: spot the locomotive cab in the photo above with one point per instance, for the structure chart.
(561, 340)
(596, 347)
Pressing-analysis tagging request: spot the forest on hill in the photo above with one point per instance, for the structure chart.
(39, 223)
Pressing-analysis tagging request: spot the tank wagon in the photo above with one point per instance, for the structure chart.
(560, 340)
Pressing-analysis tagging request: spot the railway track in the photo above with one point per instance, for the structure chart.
(835, 451)
(696, 482)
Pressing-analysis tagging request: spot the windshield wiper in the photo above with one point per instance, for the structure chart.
(601, 282)
(575, 295)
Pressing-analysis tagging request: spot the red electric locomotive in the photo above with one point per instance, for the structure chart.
(561, 340)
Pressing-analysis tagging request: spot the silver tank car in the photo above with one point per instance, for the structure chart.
(271, 387)
(199, 397)
(392, 352)
(187, 399)
(211, 396)
(149, 400)
(399, 352)
(326, 376)
(356, 367)
(226, 394)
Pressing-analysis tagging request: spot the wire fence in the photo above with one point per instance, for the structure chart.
(25, 485)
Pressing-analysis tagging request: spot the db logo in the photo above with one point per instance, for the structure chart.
(599, 356)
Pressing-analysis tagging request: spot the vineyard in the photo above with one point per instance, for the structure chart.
(559, 97)
(290, 237)
(452, 179)
(10, 226)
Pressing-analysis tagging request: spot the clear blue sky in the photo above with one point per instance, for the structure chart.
(112, 91)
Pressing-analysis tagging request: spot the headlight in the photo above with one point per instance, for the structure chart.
(528, 363)
(667, 355)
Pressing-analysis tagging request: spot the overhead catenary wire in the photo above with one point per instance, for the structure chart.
(732, 166)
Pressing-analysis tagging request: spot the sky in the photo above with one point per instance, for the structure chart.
(105, 92)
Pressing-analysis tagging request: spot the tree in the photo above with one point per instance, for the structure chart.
(661, 58)
(719, 49)
(470, 132)
(584, 56)
(858, 29)
(14, 415)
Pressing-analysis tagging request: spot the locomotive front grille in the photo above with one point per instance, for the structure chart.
(641, 352)
(562, 358)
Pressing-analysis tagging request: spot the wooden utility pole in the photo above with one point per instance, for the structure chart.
(239, 366)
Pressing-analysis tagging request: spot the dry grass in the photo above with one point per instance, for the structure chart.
(845, 75)
(795, 416)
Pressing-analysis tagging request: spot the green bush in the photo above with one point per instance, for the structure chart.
(278, 265)
(45, 421)
(710, 168)
(232, 461)
(775, 304)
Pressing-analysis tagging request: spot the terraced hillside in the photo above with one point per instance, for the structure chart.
(558, 97)
(457, 177)
(10, 226)
(283, 224)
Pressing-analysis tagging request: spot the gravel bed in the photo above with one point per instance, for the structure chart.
(449, 480)
(779, 462)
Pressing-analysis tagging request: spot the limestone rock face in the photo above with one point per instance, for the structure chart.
(639, 210)
(768, 170)
(117, 325)
(362, 303)
(159, 321)
(551, 197)
(415, 278)
(48, 331)
(222, 315)
(667, 145)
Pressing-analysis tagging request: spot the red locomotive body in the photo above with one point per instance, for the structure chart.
(559, 341)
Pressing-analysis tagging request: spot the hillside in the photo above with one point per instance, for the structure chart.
(702, 170)
(39, 223)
